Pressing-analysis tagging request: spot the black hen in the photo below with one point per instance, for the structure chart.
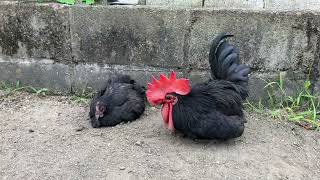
(211, 109)
(121, 100)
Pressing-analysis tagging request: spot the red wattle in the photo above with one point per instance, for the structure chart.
(171, 125)
(167, 115)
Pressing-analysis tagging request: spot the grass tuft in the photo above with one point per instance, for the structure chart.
(83, 97)
(11, 88)
(301, 108)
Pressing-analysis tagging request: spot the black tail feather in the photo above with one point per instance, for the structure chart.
(225, 63)
(213, 60)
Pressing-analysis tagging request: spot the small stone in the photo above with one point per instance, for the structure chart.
(138, 143)
(80, 129)
(122, 168)
(31, 130)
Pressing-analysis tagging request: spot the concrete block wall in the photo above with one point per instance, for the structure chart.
(293, 4)
(223, 4)
(66, 48)
(193, 3)
(243, 4)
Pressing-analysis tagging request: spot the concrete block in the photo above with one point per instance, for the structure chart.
(292, 4)
(267, 41)
(61, 78)
(235, 4)
(293, 84)
(37, 73)
(316, 74)
(317, 88)
(35, 31)
(95, 75)
(193, 3)
(129, 35)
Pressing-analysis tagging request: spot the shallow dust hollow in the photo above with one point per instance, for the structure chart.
(50, 138)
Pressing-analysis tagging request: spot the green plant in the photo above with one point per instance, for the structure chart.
(72, 2)
(82, 97)
(88, 1)
(11, 88)
(301, 108)
(41, 91)
(255, 107)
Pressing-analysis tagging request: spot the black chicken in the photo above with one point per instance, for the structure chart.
(121, 100)
(211, 109)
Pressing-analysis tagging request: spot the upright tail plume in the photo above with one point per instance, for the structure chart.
(225, 64)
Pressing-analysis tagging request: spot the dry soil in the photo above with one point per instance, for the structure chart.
(51, 138)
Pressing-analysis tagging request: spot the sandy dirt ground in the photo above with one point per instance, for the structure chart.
(51, 138)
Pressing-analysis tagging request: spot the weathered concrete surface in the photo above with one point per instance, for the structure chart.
(242, 4)
(100, 2)
(93, 75)
(317, 88)
(64, 78)
(127, 35)
(36, 73)
(292, 4)
(268, 41)
(237, 4)
(193, 3)
(61, 78)
(224, 4)
(29, 31)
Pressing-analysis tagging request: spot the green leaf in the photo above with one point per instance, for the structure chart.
(70, 2)
(89, 2)
(307, 85)
(269, 84)
(281, 81)
(296, 118)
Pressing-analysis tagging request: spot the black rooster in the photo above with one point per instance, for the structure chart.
(211, 109)
(121, 100)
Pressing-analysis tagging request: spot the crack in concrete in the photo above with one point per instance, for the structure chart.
(314, 71)
(72, 67)
(314, 76)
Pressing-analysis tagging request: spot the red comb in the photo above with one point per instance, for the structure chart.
(158, 89)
